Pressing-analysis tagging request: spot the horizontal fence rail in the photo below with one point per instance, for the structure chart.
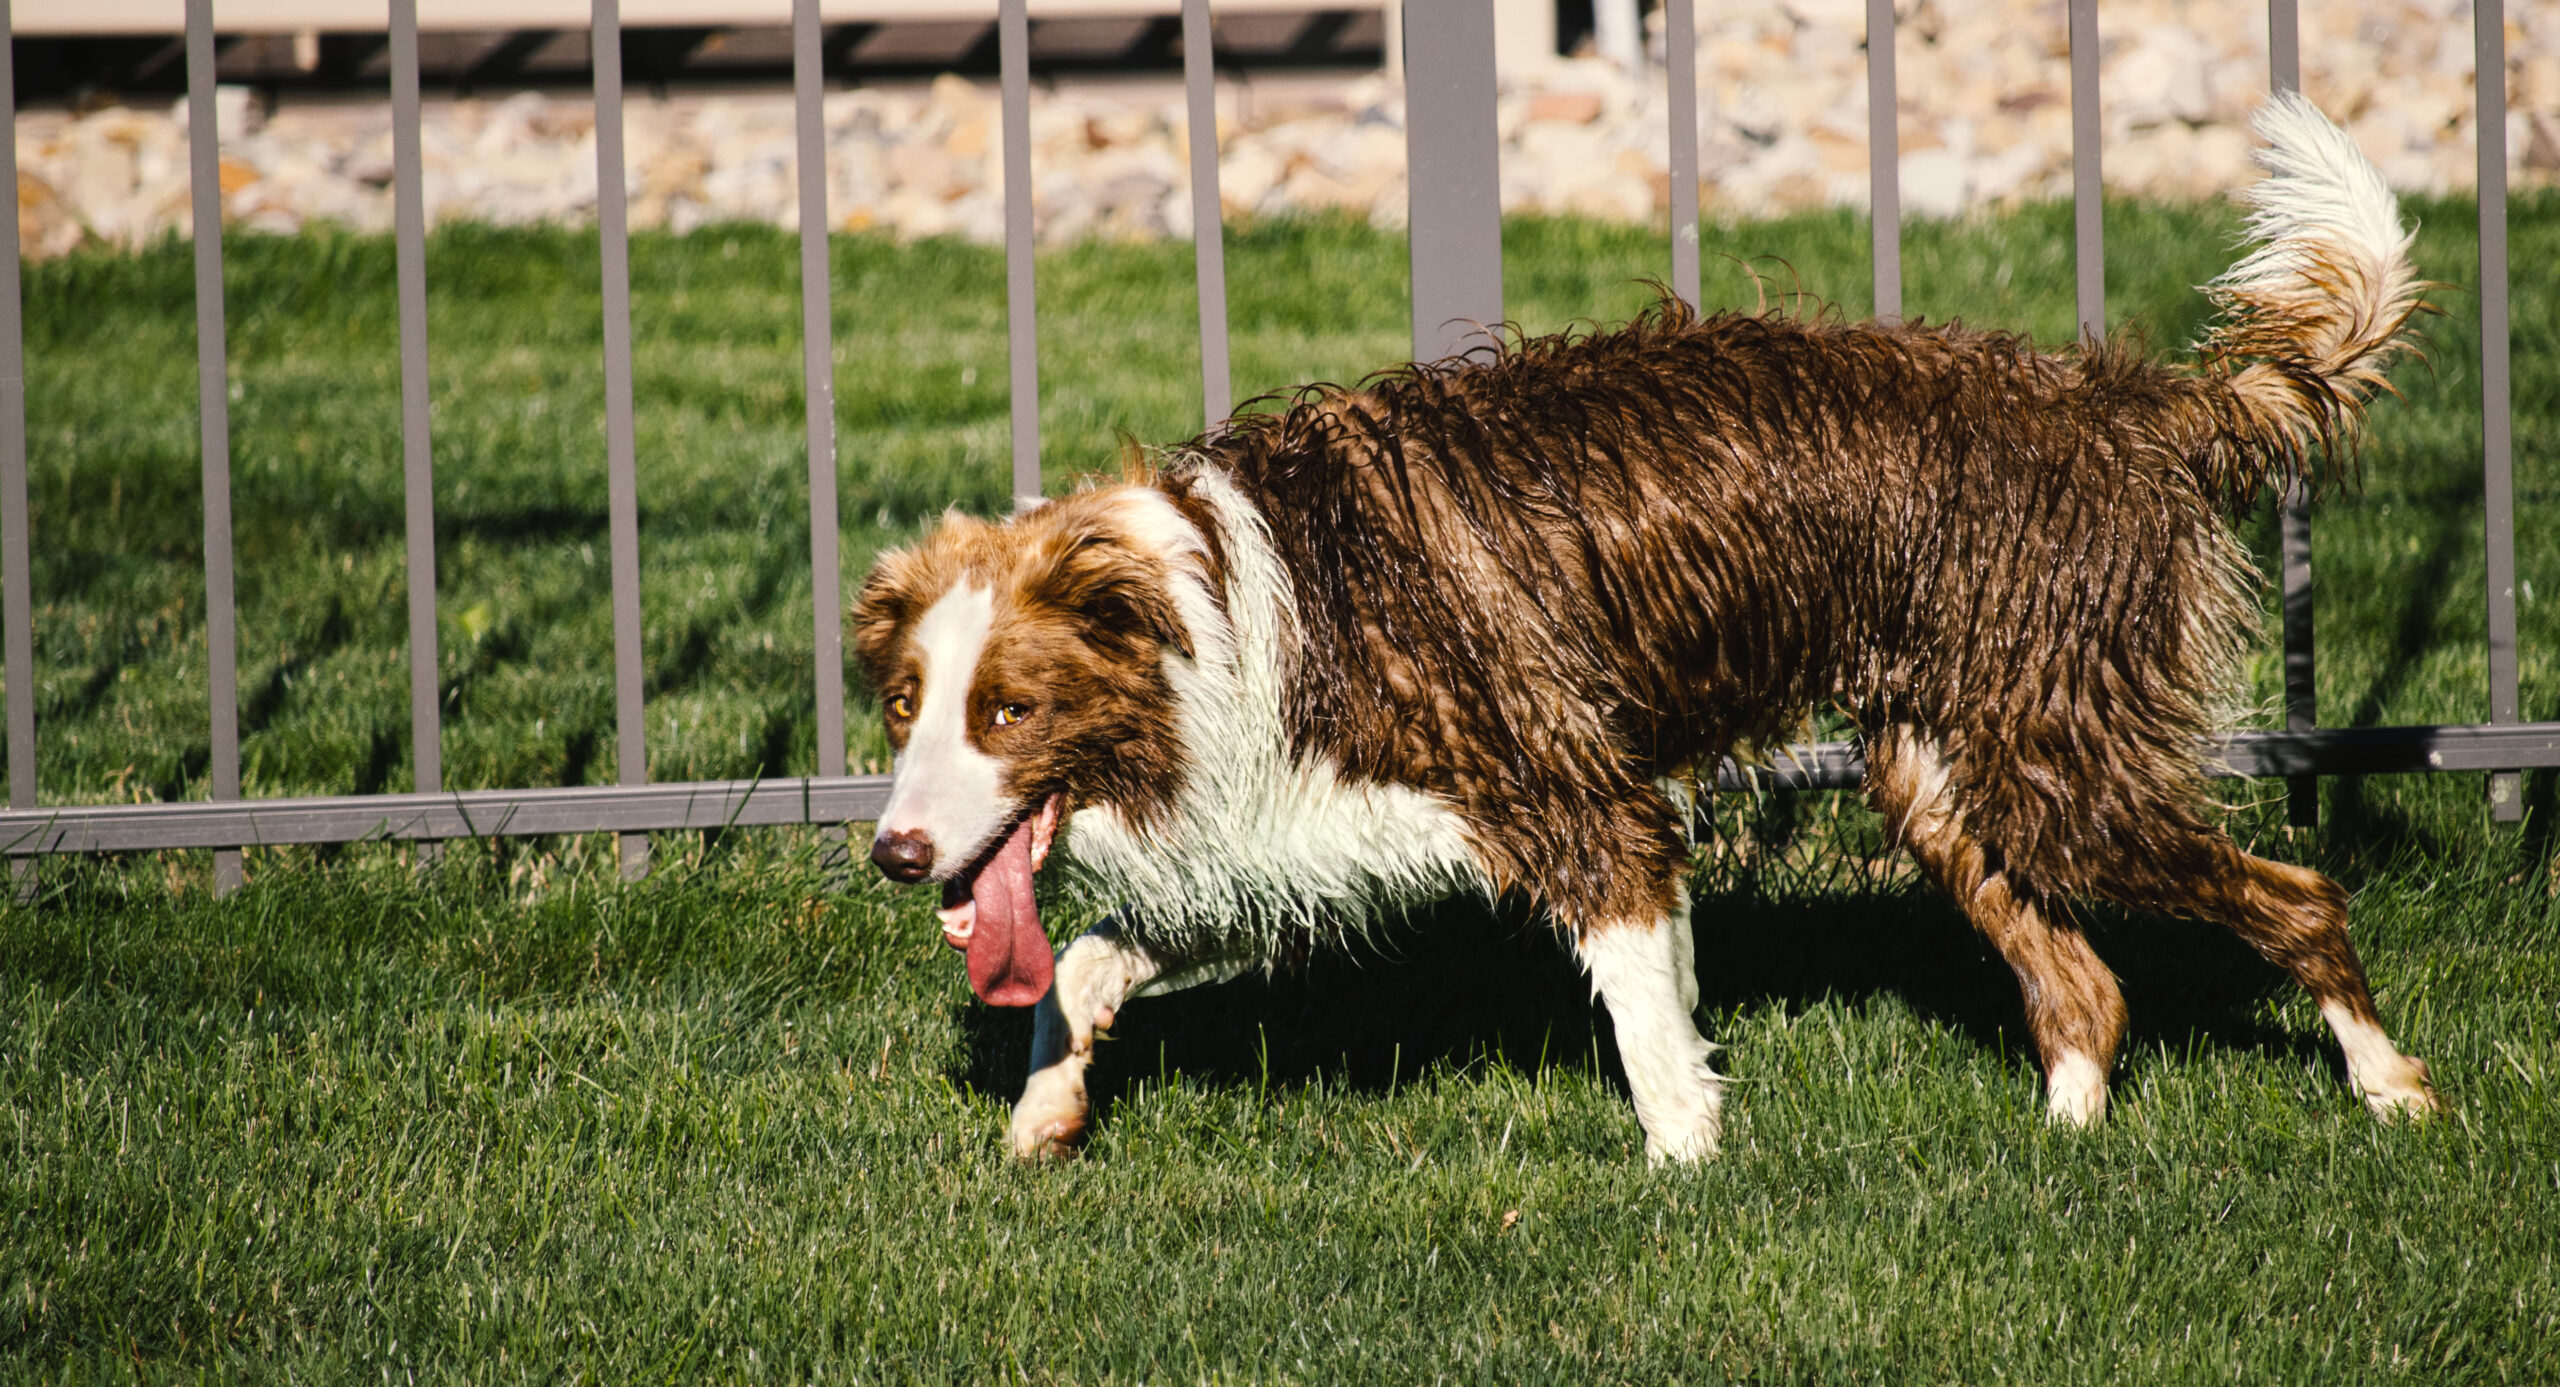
(482, 47)
(1453, 155)
(625, 809)
(831, 800)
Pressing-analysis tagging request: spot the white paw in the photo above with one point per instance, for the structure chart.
(2076, 1090)
(1684, 1148)
(2393, 1085)
(1048, 1124)
(1695, 1135)
(2397, 1090)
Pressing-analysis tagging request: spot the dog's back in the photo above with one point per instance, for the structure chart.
(1626, 553)
(1544, 576)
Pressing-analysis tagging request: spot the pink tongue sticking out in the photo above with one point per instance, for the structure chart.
(1009, 960)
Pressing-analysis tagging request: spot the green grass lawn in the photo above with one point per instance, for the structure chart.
(520, 1121)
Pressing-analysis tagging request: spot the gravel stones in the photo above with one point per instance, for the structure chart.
(1984, 91)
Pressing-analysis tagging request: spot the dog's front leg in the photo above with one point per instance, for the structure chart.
(1644, 971)
(1098, 973)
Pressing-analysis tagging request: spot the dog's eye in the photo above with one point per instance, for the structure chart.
(901, 707)
(1012, 713)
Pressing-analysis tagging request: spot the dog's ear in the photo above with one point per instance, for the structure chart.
(902, 584)
(1135, 469)
(1121, 593)
(883, 608)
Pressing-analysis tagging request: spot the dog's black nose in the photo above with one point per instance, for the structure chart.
(903, 856)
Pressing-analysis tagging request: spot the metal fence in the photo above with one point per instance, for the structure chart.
(1453, 153)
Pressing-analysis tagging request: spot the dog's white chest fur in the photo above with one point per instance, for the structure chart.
(1264, 850)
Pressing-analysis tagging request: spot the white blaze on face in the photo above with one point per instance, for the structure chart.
(942, 786)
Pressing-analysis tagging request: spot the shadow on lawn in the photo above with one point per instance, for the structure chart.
(1464, 985)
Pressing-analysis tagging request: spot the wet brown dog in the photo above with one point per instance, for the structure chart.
(1469, 626)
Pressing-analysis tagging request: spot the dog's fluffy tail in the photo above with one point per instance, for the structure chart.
(2319, 310)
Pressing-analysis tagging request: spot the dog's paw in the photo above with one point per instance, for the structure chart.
(1695, 1138)
(1049, 1123)
(1056, 1142)
(1689, 1148)
(2076, 1091)
(2403, 1092)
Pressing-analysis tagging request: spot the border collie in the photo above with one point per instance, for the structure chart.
(1482, 625)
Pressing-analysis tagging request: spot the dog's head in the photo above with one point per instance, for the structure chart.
(1021, 673)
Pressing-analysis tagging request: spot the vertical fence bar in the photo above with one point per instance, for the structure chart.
(1021, 309)
(1884, 160)
(2284, 45)
(1208, 222)
(17, 577)
(818, 385)
(2088, 216)
(1453, 174)
(2301, 701)
(1680, 54)
(213, 405)
(2497, 437)
(409, 234)
(622, 469)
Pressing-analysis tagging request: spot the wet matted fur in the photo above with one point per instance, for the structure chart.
(1469, 625)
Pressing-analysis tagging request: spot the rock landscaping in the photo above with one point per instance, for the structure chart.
(1984, 97)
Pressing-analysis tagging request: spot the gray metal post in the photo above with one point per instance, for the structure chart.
(1680, 51)
(2284, 45)
(1884, 161)
(17, 580)
(2497, 423)
(409, 232)
(213, 403)
(818, 385)
(622, 471)
(1208, 222)
(1021, 309)
(1453, 173)
(2088, 214)
(2301, 688)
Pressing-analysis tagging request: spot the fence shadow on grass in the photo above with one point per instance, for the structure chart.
(1462, 985)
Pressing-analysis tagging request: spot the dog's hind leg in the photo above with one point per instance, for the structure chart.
(2074, 1009)
(2297, 919)
(1645, 971)
(1098, 973)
